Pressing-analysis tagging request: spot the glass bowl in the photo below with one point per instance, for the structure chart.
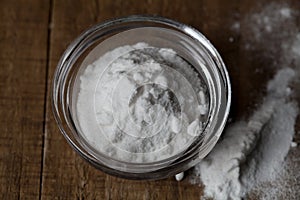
(159, 32)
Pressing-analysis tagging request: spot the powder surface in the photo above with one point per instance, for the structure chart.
(252, 151)
(251, 157)
(141, 104)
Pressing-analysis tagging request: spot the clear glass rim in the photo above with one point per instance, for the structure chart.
(61, 117)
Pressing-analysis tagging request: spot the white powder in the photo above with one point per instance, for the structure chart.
(179, 176)
(252, 151)
(294, 144)
(141, 104)
(250, 158)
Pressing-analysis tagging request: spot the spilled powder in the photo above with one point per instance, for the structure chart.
(252, 151)
(251, 158)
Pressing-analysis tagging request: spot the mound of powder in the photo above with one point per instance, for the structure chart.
(141, 103)
(251, 157)
(252, 151)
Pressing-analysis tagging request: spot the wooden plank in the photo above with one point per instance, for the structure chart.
(219, 18)
(65, 174)
(23, 55)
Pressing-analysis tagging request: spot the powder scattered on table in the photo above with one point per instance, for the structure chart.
(251, 158)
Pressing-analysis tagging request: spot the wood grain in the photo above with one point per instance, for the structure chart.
(67, 176)
(35, 160)
(23, 55)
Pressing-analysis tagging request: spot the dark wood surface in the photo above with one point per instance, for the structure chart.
(35, 160)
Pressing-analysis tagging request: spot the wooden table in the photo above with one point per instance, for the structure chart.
(35, 160)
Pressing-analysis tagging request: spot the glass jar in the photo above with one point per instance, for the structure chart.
(159, 32)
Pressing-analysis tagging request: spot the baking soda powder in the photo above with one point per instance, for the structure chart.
(141, 104)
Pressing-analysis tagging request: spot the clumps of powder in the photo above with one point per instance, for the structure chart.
(250, 160)
(179, 176)
(252, 151)
(139, 103)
